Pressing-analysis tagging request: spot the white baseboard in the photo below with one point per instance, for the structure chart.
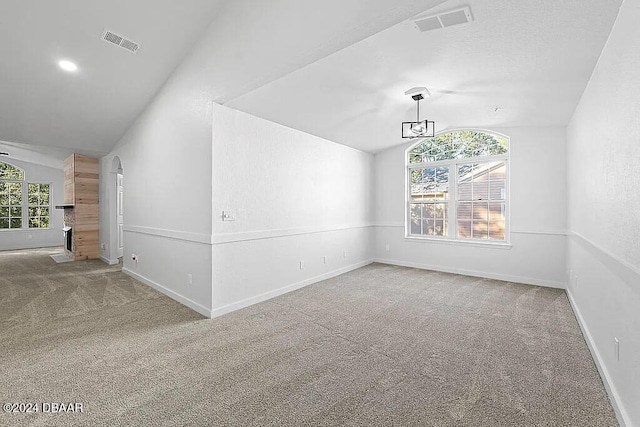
(216, 312)
(474, 273)
(280, 291)
(614, 398)
(171, 294)
(109, 261)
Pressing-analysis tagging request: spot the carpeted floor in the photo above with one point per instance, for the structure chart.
(381, 345)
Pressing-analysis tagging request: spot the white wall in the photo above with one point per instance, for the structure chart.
(166, 153)
(166, 162)
(294, 197)
(537, 216)
(37, 238)
(603, 155)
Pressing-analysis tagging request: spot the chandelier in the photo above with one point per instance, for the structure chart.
(418, 129)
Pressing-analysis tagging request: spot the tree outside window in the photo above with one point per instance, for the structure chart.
(17, 209)
(38, 205)
(458, 186)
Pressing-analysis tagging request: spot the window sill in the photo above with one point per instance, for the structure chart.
(492, 245)
(29, 230)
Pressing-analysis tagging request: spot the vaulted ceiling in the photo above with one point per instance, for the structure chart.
(334, 69)
(90, 109)
(518, 63)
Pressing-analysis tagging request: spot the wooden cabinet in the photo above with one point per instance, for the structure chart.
(81, 182)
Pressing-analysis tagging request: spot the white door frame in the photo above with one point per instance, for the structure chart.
(119, 214)
(111, 249)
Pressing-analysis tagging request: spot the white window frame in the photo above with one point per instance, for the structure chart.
(38, 206)
(451, 201)
(15, 181)
(25, 202)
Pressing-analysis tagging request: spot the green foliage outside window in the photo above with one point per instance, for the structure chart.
(13, 207)
(10, 204)
(8, 171)
(479, 181)
(38, 195)
(458, 145)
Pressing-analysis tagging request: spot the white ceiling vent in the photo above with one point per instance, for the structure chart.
(442, 20)
(120, 41)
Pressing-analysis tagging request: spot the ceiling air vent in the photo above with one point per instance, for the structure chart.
(120, 41)
(445, 19)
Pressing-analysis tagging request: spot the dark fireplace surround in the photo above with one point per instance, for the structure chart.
(69, 222)
(68, 238)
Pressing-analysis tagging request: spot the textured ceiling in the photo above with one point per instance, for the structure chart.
(523, 63)
(334, 69)
(237, 46)
(90, 109)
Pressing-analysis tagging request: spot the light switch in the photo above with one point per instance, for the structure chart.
(228, 216)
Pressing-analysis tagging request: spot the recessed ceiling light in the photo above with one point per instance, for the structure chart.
(68, 65)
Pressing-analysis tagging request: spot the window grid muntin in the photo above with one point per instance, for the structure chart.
(39, 205)
(453, 199)
(429, 194)
(11, 209)
(429, 218)
(14, 210)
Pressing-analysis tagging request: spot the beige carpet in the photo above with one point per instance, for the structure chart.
(381, 345)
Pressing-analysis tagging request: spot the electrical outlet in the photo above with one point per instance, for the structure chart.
(324, 259)
(190, 277)
(577, 282)
(103, 246)
(301, 265)
(387, 247)
(616, 348)
(344, 253)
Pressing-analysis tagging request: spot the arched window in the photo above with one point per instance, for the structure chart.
(458, 186)
(18, 208)
(8, 171)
